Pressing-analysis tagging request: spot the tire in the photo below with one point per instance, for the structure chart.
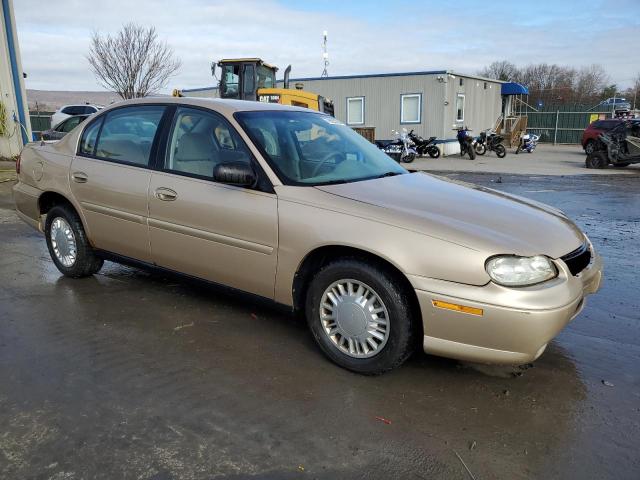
(590, 147)
(63, 221)
(597, 160)
(501, 152)
(481, 149)
(409, 158)
(434, 152)
(401, 335)
(471, 152)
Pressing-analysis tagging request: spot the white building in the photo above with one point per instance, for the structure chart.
(15, 128)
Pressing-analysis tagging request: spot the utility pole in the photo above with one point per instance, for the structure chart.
(325, 54)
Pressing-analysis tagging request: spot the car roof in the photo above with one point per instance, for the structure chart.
(222, 105)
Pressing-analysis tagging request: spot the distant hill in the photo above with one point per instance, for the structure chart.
(51, 100)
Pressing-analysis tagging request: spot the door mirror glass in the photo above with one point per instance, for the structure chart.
(235, 173)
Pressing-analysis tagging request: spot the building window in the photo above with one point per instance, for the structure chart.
(485, 85)
(355, 111)
(411, 108)
(461, 81)
(460, 108)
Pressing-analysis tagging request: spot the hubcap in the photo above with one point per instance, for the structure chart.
(63, 242)
(354, 318)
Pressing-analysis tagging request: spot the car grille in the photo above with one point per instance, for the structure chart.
(578, 259)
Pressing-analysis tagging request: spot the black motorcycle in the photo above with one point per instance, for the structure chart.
(491, 142)
(466, 141)
(425, 147)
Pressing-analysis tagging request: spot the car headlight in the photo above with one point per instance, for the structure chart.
(513, 271)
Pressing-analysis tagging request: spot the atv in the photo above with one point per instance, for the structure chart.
(619, 146)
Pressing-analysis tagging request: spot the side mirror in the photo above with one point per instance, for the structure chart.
(235, 173)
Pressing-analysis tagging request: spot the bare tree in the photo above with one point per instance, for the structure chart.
(552, 84)
(501, 70)
(590, 83)
(133, 63)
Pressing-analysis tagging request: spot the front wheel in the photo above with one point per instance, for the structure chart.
(434, 152)
(597, 160)
(68, 244)
(481, 148)
(409, 158)
(471, 152)
(360, 317)
(501, 152)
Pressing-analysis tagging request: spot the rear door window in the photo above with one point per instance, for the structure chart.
(127, 134)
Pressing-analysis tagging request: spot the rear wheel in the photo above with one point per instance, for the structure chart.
(360, 317)
(481, 148)
(597, 160)
(434, 152)
(501, 152)
(68, 245)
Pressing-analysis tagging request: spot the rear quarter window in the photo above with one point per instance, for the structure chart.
(89, 136)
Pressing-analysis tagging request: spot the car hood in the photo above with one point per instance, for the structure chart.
(475, 217)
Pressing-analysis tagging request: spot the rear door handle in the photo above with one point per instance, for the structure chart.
(79, 177)
(165, 194)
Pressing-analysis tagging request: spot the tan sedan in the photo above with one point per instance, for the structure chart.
(294, 206)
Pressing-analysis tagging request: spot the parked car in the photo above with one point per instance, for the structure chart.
(593, 131)
(293, 205)
(67, 111)
(616, 103)
(63, 128)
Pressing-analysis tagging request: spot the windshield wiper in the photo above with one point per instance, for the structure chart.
(389, 174)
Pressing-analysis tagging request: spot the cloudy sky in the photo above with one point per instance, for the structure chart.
(364, 36)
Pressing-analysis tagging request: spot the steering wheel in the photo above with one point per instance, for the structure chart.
(324, 160)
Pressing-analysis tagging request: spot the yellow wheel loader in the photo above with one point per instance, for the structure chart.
(253, 79)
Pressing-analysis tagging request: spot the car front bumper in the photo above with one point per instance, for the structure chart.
(510, 325)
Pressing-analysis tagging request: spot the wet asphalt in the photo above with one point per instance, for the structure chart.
(131, 374)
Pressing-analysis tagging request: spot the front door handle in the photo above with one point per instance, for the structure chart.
(165, 194)
(79, 177)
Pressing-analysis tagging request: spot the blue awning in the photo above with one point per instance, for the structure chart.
(513, 88)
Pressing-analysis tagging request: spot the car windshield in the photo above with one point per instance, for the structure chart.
(306, 148)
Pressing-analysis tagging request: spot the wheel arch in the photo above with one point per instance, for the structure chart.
(315, 259)
(50, 198)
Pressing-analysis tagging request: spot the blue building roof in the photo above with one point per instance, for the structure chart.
(513, 88)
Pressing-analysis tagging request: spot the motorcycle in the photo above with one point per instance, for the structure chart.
(466, 141)
(425, 147)
(491, 141)
(401, 149)
(528, 143)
